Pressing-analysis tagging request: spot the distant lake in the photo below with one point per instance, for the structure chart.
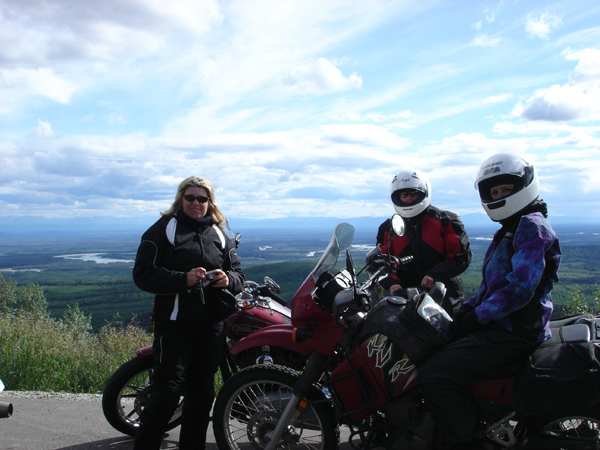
(95, 257)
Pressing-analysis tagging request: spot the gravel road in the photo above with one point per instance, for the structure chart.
(58, 421)
(52, 421)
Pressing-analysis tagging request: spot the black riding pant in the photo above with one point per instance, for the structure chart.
(186, 358)
(445, 376)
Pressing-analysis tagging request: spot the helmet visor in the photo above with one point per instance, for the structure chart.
(407, 197)
(485, 186)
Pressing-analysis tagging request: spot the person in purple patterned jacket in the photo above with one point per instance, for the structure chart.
(510, 315)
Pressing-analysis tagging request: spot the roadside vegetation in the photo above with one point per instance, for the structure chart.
(64, 354)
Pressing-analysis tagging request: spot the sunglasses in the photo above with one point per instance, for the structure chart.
(407, 194)
(191, 198)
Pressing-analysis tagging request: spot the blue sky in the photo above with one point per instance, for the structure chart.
(292, 108)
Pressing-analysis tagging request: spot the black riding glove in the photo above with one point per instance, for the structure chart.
(462, 312)
(465, 322)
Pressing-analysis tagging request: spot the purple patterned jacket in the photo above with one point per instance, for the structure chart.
(518, 273)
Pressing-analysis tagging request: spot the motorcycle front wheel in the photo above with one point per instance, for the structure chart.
(126, 394)
(250, 403)
(580, 427)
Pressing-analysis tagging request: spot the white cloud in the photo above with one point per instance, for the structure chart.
(195, 16)
(558, 104)
(490, 15)
(44, 129)
(369, 135)
(589, 153)
(579, 101)
(466, 145)
(497, 98)
(320, 77)
(146, 92)
(483, 40)
(377, 117)
(37, 34)
(114, 172)
(591, 144)
(543, 25)
(587, 71)
(41, 82)
(542, 127)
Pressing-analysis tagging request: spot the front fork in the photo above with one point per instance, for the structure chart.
(295, 406)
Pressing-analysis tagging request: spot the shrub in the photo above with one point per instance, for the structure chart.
(43, 354)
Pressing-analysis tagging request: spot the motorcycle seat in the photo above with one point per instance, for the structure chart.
(578, 332)
(574, 333)
(581, 318)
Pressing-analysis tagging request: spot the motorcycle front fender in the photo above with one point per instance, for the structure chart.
(274, 336)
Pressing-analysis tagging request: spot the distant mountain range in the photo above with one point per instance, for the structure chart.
(39, 226)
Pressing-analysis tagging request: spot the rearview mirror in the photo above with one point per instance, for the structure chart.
(398, 225)
(273, 286)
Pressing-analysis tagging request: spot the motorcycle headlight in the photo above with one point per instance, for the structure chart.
(328, 287)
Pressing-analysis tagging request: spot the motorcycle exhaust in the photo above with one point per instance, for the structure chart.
(6, 410)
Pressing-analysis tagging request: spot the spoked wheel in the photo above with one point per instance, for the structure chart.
(580, 428)
(249, 405)
(126, 394)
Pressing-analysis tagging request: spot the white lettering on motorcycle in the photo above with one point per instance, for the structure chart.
(402, 367)
(377, 344)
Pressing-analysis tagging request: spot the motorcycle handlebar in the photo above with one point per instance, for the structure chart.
(266, 292)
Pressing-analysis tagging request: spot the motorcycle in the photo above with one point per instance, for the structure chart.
(129, 388)
(6, 409)
(361, 372)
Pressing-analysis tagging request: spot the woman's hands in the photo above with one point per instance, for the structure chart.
(426, 283)
(220, 279)
(198, 275)
(195, 276)
(394, 288)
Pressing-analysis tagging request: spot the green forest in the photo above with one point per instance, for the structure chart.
(107, 291)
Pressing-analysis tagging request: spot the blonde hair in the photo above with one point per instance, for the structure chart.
(217, 216)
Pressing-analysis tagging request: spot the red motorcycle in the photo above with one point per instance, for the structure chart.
(259, 306)
(362, 372)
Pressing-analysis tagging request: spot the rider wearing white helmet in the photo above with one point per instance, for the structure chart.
(411, 192)
(512, 172)
(510, 314)
(436, 239)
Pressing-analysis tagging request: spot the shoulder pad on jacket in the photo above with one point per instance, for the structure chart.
(221, 235)
(171, 229)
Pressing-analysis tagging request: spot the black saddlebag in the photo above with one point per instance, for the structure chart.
(563, 373)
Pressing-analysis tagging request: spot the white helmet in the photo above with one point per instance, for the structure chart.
(410, 180)
(506, 168)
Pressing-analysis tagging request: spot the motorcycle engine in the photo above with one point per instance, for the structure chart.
(409, 425)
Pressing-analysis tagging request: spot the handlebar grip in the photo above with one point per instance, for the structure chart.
(405, 259)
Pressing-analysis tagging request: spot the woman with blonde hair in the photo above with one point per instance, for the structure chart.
(186, 260)
(203, 183)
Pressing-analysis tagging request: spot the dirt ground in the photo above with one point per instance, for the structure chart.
(54, 421)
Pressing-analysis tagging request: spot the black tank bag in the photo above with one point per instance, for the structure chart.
(563, 373)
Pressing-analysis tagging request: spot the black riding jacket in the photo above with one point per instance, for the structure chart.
(172, 247)
(439, 245)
